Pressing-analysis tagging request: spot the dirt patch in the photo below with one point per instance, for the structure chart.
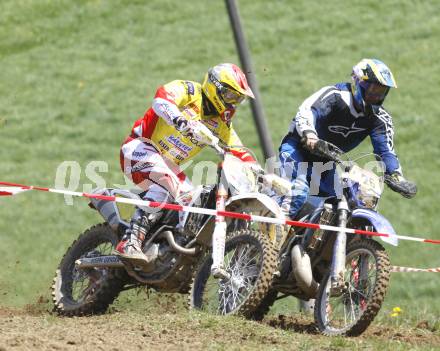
(121, 331)
(163, 328)
(415, 336)
(423, 333)
(10, 312)
(298, 324)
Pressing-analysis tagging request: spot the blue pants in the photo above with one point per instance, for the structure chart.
(307, 175)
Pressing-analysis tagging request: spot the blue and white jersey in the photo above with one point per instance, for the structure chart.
(330, 114)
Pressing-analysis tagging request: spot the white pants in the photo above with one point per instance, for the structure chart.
(162, 180)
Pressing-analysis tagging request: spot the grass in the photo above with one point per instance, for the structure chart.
(76, 74)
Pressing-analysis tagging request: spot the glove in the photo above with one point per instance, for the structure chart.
(322, 149)
(399, 184)
(309, 140)
(181, 124)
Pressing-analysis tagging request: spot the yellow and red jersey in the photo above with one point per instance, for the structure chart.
(181, 98)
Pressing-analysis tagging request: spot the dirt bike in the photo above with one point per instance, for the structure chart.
(347, 274)
(235, 290)
(90, 277)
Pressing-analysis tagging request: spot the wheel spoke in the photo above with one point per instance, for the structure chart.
(243, 262)
(85, 283)
(229, 256)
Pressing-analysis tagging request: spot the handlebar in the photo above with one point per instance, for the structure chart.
(330, 152)
(219, 150)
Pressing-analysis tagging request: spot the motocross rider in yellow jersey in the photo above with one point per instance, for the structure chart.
(184, 118)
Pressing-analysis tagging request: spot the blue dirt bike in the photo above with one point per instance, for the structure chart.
(347, 274)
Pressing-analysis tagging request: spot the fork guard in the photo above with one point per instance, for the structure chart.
(379, 222)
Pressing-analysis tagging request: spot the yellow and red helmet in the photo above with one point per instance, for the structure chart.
(225, 86)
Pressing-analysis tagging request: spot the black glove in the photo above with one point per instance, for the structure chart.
(397, 183)
(323, 149)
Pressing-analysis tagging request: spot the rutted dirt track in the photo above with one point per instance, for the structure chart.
(129, 330)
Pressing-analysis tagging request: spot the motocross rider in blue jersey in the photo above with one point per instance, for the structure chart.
(343, 114)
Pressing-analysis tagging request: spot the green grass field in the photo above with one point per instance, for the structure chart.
(74, 75)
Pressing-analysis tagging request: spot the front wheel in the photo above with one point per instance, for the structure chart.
(351, 310)
(79, 292)
(251, 260)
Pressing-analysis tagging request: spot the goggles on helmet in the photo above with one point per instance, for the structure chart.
(374, 93)
(231, 96)
(228, 95)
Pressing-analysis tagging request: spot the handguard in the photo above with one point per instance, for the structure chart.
(279, 185)
(203, 134)
(196, 130)
(400, 185)
(200, 132)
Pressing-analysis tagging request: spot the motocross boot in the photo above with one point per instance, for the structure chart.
(130, 247)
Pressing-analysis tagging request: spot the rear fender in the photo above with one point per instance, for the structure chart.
(379, 223)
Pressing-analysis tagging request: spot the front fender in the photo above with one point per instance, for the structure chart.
(260, 202)
(379, 222)
(262, 205)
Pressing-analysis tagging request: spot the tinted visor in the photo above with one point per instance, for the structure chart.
(231, 96)
(374, 93)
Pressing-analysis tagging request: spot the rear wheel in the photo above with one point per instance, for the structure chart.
(78, 292)
(351, 310)
(250, 259)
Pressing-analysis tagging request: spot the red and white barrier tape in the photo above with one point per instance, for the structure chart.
(12, 189)
(398, 269)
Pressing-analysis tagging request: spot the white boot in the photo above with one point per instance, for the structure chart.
(130, 248)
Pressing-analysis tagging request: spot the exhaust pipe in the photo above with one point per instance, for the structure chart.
(114, 261)
(302, 270)
(176, 247)
(99, 262)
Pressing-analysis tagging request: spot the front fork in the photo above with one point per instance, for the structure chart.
(339, 248)
(219, 235)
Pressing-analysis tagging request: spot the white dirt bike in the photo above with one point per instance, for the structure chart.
(89, 277)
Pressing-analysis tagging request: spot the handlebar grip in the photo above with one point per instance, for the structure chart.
(325, 150)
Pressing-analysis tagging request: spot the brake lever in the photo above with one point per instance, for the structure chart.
(218, 149)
